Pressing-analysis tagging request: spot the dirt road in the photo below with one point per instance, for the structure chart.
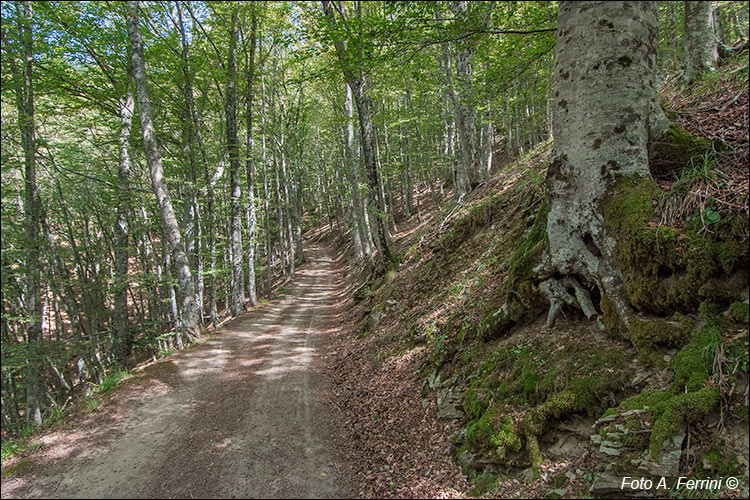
(239, 415)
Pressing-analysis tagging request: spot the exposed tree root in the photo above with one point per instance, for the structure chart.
(558, 292)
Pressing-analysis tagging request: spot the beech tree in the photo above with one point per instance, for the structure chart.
(32, 215)
(188, 313)
(601, 130)
(700, 39)
(356, 79)
(351, 116)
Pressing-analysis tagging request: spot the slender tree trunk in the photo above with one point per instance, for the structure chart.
(249, 168)
(361, 229)
(266, 193)
(122, 253)
(237, 299)
(287, 212)
(32, 217)
(189, 314)
(192, 135)
(356, 81)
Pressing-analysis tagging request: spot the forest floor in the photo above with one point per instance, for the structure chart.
(244, 413)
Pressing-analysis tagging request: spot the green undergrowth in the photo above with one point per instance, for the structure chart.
(23, 442)
(695, 390)
(535, 382)
(666, 270)
(473, 307)
(465, 265)
(674, 150)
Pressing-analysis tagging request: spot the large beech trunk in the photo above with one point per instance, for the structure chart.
(604, 110)
(189, 311)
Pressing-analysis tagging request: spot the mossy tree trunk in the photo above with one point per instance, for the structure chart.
(605, 108)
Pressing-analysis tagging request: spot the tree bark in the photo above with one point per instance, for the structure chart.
(356, 81)
(249, 168)
(32, 218)
(237, 299)
(465, 111)
(701, 50)
(361, 228)
(122, 253)
(603, 108)
(189, 312)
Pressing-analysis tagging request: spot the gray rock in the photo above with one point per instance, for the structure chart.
(467, 459)
(375, 319)
(527, 475)
(613, 452)
(449, 404)
(606, 483)
(669, 459)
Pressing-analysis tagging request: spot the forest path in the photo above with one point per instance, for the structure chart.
(241, 414)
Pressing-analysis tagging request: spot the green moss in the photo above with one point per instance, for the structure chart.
(499, 322)
(740, 312)
(718, 464)
(664, 270)
(651, 400)
(528, 382)
(535, 455)
(16, 467)
(671, 412)
(505, 438)
(609, 413)
(649, 334)
(473, 404)
(547, 384)
(679, 411)
(635, 441)
(674, 150)
(693, 364)
(557, 405)
(493, 432)
(483, 483)
(520, 280)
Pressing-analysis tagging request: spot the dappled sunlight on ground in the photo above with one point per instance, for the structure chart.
(236, 413)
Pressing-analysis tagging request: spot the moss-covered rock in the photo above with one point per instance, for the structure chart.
(693, 365)
(665, 270)
(679, 411)
(673, 151)
(740, 312)
(688, 399)
(498, 322)
(493, 432)
(715, 462)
